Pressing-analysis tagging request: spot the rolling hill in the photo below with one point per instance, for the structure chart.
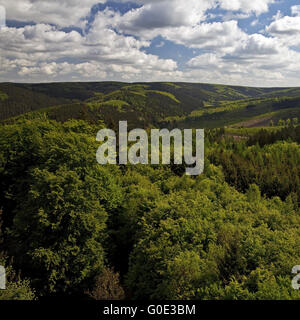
(149, 104)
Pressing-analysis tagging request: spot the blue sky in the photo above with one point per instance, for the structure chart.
(216, 41)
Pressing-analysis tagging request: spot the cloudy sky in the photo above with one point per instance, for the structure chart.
(243, 42)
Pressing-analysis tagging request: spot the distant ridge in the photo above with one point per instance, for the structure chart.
(146, 104)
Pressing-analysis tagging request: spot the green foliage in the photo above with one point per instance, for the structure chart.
(231, 233)
(16, 100)
(143, 105)
(167, 94)
(116, 103)
(58, 201)
(246, 112)
(275, 168)
(214, 243)
(269, 136)
(16, 288)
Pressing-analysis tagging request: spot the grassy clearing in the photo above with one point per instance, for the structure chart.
(167, 94)
(174, 85)
(249, 131)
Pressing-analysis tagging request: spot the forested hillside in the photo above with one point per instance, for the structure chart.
(182, 105)
(70, 227)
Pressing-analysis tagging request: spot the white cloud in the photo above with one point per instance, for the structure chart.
(285, 26)
(153, 13)
(257, 61)
(45, 53)
(155, 17)
(256, 45)
(245, 6)
(255, 49)
(169, 13)
(113, 48)
(59, 12)
(256, 6)
(202, 35)
(286, 29)
(295, 10)
(221, 36)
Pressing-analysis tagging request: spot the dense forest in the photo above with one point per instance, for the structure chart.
(71, 227)
(183, 105)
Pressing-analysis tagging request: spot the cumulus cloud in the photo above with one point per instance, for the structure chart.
(202, 35)
(156, 17)
(178, 17)
(256, 6)
(184, 22)
(255, 49)
(59, 12)
(246, 6)
(256, 45)
(44, 52)
(256, 61)
(209, 36)
(287, 29)
(165, 13)
(285, 26)
(114, 45)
